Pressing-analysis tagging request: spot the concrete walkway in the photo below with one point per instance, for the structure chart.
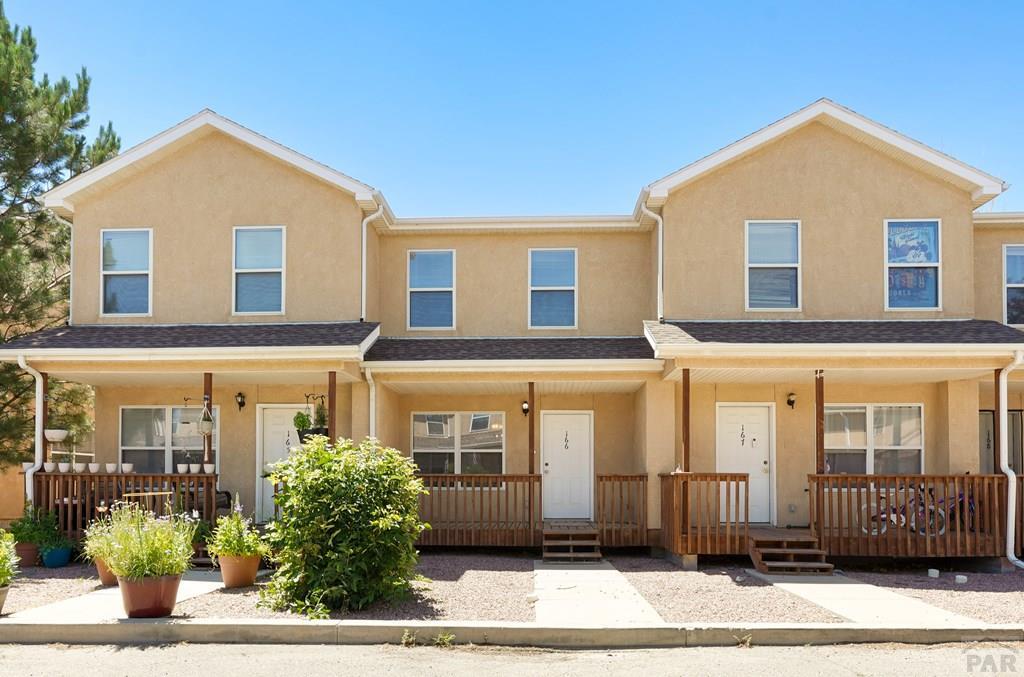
(105, 606)
(588, 595)
(866, 603)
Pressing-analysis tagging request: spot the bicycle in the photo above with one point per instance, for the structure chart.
(875, 517)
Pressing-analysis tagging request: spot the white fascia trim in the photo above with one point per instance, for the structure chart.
(368, 342)
(58, 198)
(836, 349)
(542, 223)
(985, 185)
(998, 218)
(350, 353)
(634, 365)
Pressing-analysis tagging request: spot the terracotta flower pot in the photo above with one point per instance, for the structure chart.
(152, 597)
(28, 553)
(238, 571)
(3, 597)
(107, 577)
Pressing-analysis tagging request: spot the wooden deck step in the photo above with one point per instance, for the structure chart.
(784, 553)
(571, 541)
(791, 551)
(593, 555)
(803, 566)
(550, 542)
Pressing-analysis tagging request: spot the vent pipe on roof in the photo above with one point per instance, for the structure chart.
(1004, 460)
(661, 258)
(40, 448)
(362, 266)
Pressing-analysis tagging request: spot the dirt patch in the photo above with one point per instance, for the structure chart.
(991, 598)
(39, 586)
(463, 587)
(715, 594)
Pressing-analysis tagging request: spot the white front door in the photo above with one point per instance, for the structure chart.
(566, 453)
(744, 439)
(277, 436)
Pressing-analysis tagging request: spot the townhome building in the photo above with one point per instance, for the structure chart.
(800, 346)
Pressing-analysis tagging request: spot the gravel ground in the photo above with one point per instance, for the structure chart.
(38, 586)
(715, 594)
(992, 598)
(464, 587)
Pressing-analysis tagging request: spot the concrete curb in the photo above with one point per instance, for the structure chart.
(250, 631)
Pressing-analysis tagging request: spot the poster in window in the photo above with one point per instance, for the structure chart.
(913, 288)
(913, 242)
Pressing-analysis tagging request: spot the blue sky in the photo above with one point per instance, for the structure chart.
(480, 108)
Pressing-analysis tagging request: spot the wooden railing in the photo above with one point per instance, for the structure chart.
(621, 510)
(705, 513)
(78, 498)
(482, 510)
(909, 515)
(1019, 538)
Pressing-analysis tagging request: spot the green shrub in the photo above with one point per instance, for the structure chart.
(35, 526)
(142, 545)
(347, 529)
(235, 536)
(8, 560)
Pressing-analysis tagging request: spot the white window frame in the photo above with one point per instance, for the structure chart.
(798, 265)
(937, 266)
(409, 289)
(148, 272)
(574, 288)
(1007, 285)
(458, 436)
(870, 447)
(235, 270)
(168, 447)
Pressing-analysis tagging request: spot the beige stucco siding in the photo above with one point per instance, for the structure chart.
(989, 264)
(841, 191)
(192, 199)
(614, 288)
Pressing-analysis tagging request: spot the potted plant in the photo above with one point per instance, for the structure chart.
(303, 424)
(8, 565)
(28, 531)
(148, 555)
(320, 419)
(97, 546)
(55, 550)
(237, 547)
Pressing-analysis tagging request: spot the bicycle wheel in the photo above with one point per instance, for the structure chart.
(936, 523)
(872, 522)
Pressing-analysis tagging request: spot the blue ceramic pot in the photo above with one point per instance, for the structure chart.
(56, 558)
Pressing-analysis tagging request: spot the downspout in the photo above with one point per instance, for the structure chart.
(1004, 461)
(40, 449)
(362, 283)
(661, 258)
(373, 403)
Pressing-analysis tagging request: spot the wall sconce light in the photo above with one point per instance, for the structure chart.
(526, 408)
(791, 400)
(240, 400)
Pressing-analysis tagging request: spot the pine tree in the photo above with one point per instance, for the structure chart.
(42, 143)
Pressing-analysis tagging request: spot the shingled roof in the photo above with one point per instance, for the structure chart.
(422, 349)
(684, 333)
(196, 336)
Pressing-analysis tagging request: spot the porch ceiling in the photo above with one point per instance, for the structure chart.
(511, 388)
(877, 375)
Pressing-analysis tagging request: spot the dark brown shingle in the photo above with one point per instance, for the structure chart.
(795, 331)
(417, 349)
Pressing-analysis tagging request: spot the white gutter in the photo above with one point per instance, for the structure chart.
(661, 258)
(373, 403)
(362, 268)
(40, 449)
(1004, 460)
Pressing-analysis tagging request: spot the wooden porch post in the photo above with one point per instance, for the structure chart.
(531, 441)
(332, 404)
(684, 460)
(996, 423)
(208, 402)
(819, 421)
(46, 402)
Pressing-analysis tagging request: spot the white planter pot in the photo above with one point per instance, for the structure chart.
(127, 467)
(64, 467)
(55, 434)
(194, 467)
(49, 466)
(79, 467)
(182, 468)
(94, 467)
(110, 467)
(209, 468)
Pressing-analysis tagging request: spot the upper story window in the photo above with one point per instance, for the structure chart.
(912, 265)
(431, 289)
(126, 269)
(879, 439)
(552, 297)
(258, 270)
(773, 265)
(1013, 279)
